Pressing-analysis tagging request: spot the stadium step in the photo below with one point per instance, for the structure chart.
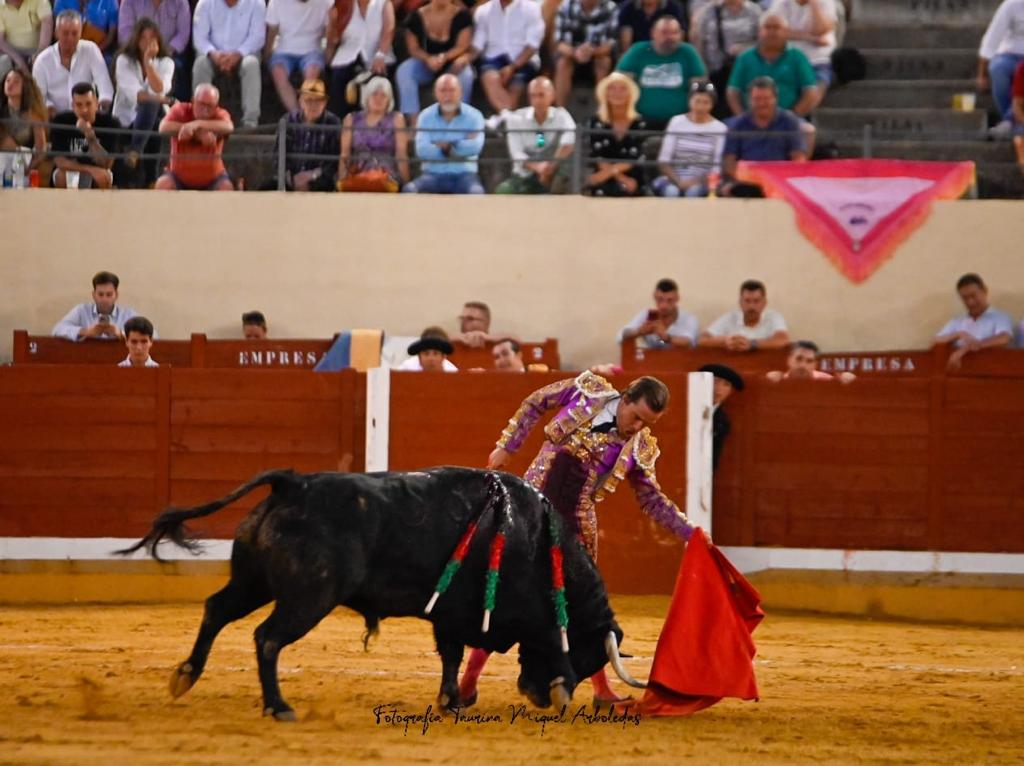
(920, 63)
(914, 37)
(898, 94)
(933, 12)
(902, 122)
(995, 152)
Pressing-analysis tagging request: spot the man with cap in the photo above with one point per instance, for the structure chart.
(430, 352)
(312, 130)
(727, 380)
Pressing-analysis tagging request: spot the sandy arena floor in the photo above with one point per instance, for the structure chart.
(88, 685)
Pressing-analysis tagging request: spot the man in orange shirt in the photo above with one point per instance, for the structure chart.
(197, 131)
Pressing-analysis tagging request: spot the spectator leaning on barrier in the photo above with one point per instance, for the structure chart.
(616, 140)
(430, 353)
(138, 337)
(507, 36)
(174, 20)
(374, 147)
(637, 17)
(294, 41)
(508, 356)
(475, 326)
(23, 116)
(664, 325)
(358, 44)
(691, 151)
(69, 61)
(449, 137)
(26, 30)
(101, 318)
(82, 143)
(198, 131)
(1001, 51)
(312, 129)
(664, 67)
(981, 327)
(540, 138)
(228, 36)
(795, 81)
(438, 37)
(584, 34)
(751, 327)
(254, 325)
(802, 364)
(764, 133)
(811, 29)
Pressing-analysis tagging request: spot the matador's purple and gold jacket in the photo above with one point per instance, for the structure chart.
(607, 458)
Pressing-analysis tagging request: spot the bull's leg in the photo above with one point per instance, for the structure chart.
(233, 602)
(451, 657)
(291, 619)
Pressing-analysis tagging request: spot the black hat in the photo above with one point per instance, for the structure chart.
(431, 343)
(726, 373)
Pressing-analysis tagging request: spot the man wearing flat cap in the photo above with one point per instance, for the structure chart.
(727, 380)
(430, 352)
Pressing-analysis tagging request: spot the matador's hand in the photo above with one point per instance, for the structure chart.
(498, 459)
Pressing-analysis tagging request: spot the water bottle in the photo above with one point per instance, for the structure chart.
(8, 173)
(18, 171)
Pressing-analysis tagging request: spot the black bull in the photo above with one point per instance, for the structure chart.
(377, 544)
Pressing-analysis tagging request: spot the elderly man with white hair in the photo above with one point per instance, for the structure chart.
(449, 137)
(540, 138)
(69, 61)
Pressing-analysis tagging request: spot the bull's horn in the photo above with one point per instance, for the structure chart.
(611, 646)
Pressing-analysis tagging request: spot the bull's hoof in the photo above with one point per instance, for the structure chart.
(181, 679)
(560, 696)
(283, 715)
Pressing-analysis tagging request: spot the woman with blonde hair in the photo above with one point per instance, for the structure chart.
(374, 151)
(615, 146)
(22, 116)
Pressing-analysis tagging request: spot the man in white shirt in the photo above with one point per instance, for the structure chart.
(540, 138)
(1002, 49)
(507, 36)
(138, 337)
(100, 318)
(69, 61)
(228, 36)
(812, 30)
(750, 327)
(981, 327)
(665, 325)
(298, 27)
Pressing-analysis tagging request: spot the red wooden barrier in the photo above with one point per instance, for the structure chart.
(467, 358)
(44, 349)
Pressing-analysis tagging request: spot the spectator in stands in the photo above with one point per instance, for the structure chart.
(228, 36)
(100, 318)
(1001, 51)
(637, 18)
(665, 325)
(584, 34)
(449, 137)
(438, 37)
(726, 381)
(174, 20)
(722, 31)
(430, 353)
(540, 138)
(374, 143)
(1018, 114)
(99, 22)
(69, 61)
(691, 152)
(802, 364)
(361, 43)
(764, 133)
(664, 69)
(811, 29)
(507, 37)
(981, 327)
(508, 356)
(615, 144)
(145, 71)
(22, 116)
(138, 337)
(26, 30)
(254, 325)
(475, 325)
(297, 27)
(796, 84)
(751, 327)
(198, 131)
(312, 129)
(82, 144)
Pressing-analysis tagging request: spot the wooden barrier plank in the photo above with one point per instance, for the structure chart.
(79, 411)
(827, 449)
(263, 385)
(86, 493)
(285, 353)
(958, 422)
(839, 478)
(856, 505)
(57, 380)
(99, 461)
(985, 395)
(251, 412)
(186, 437)
(842, 421)
(67, 437)
(55, 520)
(881, 535)
(44, 349)
(240, 467)
(873, 393)
(467, 357)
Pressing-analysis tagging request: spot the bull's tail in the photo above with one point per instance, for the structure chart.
(170, 525)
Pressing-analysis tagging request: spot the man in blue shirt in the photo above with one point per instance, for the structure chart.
(449, 137)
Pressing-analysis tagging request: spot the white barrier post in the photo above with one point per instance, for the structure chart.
(378, 418)
(700, 397)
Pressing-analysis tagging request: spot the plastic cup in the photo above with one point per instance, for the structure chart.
(72, 178)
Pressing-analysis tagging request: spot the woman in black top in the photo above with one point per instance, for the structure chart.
(614, 140)
(437, 37)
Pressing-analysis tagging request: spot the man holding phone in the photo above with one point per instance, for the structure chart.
(665, 325)
(100, 318)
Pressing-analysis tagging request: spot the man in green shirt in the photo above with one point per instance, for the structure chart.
(773, 57)
(663, 67)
